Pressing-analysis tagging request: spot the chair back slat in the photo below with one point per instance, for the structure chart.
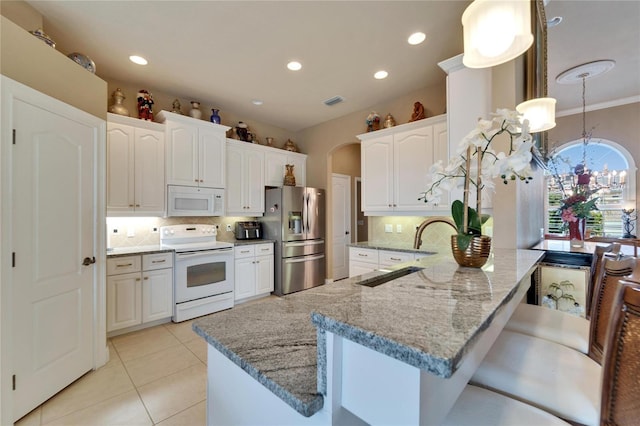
(612, 272)
(621, 365)
(596, 267)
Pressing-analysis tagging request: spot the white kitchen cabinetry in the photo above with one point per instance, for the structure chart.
(395, 165)
(139, 289)
(275, 161)
(135, 167)
(254, 274)
(363, 260)
(245, 179)
(195, 154)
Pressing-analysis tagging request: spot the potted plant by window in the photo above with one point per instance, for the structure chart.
(475, 164)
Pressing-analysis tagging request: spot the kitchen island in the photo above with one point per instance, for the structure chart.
(399, 352)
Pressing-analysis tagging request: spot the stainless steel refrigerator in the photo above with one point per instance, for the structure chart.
(295, 218)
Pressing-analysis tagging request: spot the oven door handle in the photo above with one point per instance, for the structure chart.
(188, 254)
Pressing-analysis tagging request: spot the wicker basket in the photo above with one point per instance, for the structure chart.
(475, 255)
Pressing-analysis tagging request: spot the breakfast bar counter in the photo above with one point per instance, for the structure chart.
(400, 351)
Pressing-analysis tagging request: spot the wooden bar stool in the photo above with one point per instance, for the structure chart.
(550, 376)
(557, 326)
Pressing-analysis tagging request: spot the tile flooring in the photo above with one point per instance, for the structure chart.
(155, 376)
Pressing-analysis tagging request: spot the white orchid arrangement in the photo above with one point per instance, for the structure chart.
(477, 163)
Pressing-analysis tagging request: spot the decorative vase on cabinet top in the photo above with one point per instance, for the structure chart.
(118, 107)
(195, 110)
(215, 116)
(84, 61)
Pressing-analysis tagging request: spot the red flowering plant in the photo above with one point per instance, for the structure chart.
(580, 203)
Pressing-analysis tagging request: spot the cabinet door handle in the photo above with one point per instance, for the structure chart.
(394, 258)
(88, 261)
(159, 261)
(137, 205)
(137, 279)
(363, 255)
(244, 251)
(146, 278)
(124, 265)
(195, 180)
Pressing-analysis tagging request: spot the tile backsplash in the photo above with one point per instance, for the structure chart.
(401, 230)
(144, 231)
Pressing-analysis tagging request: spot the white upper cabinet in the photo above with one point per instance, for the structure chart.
(275, 161)
(395, 166)
(245, 179)
(195, 151)
(135, 167)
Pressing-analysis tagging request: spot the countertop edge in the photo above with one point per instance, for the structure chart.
(390, 247)
(306, 409)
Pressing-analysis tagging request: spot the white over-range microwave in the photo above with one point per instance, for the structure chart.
(194, 201)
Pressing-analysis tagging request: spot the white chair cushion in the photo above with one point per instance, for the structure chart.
(556, 326)
(476, 407)
(544, 374)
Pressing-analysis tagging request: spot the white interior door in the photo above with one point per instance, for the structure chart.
(53, 214)
(341, 201)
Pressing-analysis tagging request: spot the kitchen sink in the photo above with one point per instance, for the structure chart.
(376, 281)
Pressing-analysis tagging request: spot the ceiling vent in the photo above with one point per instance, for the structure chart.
(333, 101)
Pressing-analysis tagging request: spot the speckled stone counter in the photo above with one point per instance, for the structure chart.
(127, 251)
(425, 248)
(247, 242)
(428, 319)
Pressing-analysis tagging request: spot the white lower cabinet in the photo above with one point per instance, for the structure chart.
(254, 274)
(139, 289)
(364, 260)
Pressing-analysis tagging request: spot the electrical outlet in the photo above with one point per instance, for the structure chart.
(228, 227)
(398, 228)
(154, 230)
(114, 231)
(388, 227)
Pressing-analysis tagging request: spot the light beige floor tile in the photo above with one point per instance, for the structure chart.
(172, 394)
(160, 364)
(143, 342)
(194, 416)
(31, 419)
(114, 358)
(93, 387)
(182, 330)
(199, 348)
(125, 409)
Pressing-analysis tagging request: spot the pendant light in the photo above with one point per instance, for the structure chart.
(495, 32)
(541, 113)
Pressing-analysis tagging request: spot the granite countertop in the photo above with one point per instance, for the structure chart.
(428, 319)
(247, 242)
(425, 248)
(128, 251)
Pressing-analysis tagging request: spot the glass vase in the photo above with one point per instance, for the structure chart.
(578, 229)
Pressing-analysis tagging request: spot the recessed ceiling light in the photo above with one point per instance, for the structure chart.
(138, 60)
(257, 102)
(416, 38)
(294, 65)
(379, 75)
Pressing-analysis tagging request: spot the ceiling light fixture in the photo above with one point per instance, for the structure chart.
(495, 32)
(138, 60)
(257, 102)
(416, 38)
(379, 75)
(294, 66)
(541, 113)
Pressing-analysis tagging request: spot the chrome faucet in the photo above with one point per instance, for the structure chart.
(417, 240)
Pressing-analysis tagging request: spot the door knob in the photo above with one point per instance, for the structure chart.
(88, 261)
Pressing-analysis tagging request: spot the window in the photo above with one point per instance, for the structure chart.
(613, 175)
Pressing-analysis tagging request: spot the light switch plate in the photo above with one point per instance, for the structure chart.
(398, 228)
(388, 227)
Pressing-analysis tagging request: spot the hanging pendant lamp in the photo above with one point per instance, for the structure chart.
(541, 113)
(495, 31)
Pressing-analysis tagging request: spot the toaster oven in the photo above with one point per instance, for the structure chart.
(249, 230)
